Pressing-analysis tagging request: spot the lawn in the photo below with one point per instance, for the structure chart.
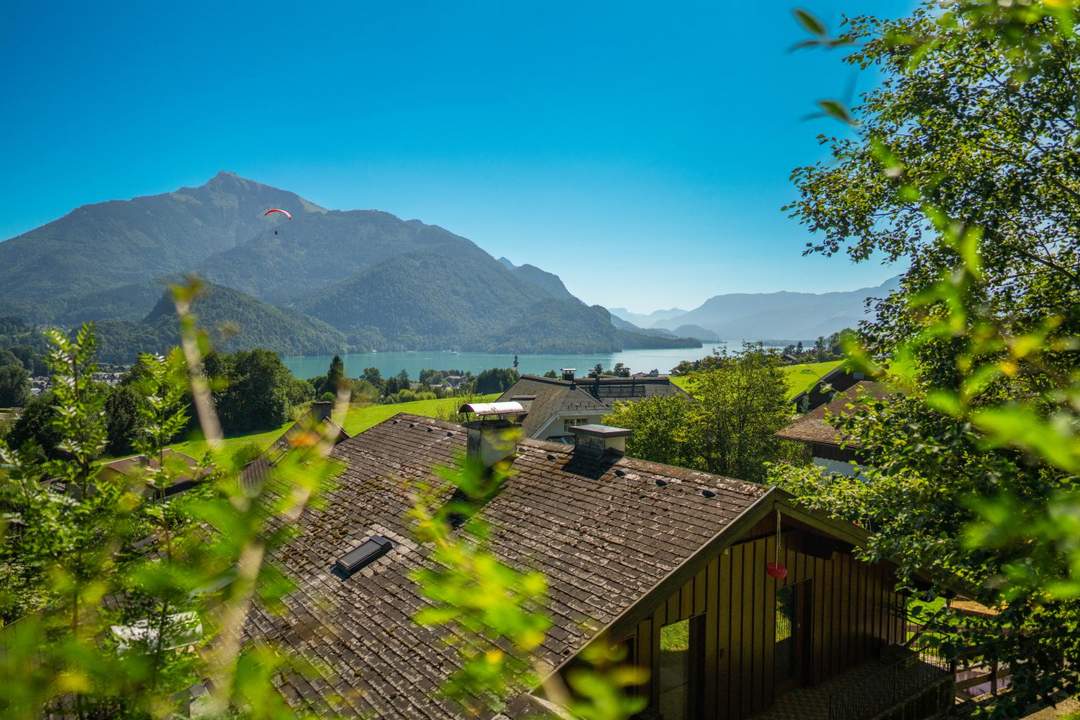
(799, 377)
(358, 419)
(802, 377)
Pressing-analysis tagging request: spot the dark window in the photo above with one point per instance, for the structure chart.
(370, 551)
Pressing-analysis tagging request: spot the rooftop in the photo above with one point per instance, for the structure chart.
(604, 530)
(814, 427)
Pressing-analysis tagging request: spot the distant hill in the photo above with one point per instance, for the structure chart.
(788, 315)
(650, 320)
(235, 321)
(381, 282)
(697, 332)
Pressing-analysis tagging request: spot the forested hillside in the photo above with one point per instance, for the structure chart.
(236, 322)
(383, 283)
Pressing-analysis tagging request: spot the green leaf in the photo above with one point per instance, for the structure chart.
(810, 23)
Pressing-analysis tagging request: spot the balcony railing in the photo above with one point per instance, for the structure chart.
(918, 684)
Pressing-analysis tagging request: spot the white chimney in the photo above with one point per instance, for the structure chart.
(494, 432)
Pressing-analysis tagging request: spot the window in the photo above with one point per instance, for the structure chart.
(680, 668)
(573, 422)
(354, 560)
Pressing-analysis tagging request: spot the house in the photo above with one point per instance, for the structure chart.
(556, 405)
(670, 563)
(135, 465)
(836, 380)
(828, 446)
(255, 472)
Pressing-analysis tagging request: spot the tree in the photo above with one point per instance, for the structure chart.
(257, 395)
(962, 165)
(742, 404)
(334, 376)
(958, 124)
(373, 376)
(14, 385)
(665, 429)
(729, 429)
(122, 417)
(35, 425)
(495, 380)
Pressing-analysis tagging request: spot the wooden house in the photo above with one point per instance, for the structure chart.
(738, 602)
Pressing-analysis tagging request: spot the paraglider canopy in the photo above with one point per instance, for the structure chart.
(286, 213)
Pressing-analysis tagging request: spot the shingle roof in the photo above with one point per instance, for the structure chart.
(814, 427)
(604, 531)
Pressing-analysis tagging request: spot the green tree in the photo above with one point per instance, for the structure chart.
(495, 380)
(14, 385)
(257, 392)
(960, 164)
(35, 425)
(335, 375)
(730, 427)
(122, 417)
(963, 124)
(665, 429)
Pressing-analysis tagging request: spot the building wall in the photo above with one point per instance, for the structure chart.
(559, 427)
(854, 612)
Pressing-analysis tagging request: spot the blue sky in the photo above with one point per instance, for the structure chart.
(640, 150)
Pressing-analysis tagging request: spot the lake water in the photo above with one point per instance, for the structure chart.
(391, 363)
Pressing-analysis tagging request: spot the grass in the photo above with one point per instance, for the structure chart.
(362, 417)
(802, 377)
(799, 377)
(358, 419)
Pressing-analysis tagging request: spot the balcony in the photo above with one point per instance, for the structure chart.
(901, 685)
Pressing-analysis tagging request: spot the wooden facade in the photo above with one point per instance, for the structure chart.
(839, 612)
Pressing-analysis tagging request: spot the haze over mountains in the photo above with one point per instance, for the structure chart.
(325, 281)
(779, 316)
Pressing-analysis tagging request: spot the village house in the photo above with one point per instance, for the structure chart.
(556, 405)
(738, 602)
(836, 393)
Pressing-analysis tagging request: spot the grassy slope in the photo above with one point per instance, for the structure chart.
(361, 417)
(358, 419)
(799, 377)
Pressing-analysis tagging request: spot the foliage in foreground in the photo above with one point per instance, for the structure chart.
(960, 163)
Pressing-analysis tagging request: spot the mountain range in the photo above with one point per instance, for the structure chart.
(779, 316)
(324, 281)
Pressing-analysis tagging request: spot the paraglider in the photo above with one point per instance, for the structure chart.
(271, 211)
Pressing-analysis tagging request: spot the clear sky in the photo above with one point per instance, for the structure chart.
(641, 150)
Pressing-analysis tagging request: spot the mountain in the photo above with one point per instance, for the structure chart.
(235, 321)
(697, 332)
(322, 281)
(787, 316)
(549, 283)
(653, 319)
(47, 272)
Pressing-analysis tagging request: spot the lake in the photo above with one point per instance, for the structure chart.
(391, 363)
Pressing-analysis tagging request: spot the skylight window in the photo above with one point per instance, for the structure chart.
(369, 551)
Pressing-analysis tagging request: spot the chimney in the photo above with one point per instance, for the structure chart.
(568, 374)
(595, 441)
(321, 410)
(494, 430)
